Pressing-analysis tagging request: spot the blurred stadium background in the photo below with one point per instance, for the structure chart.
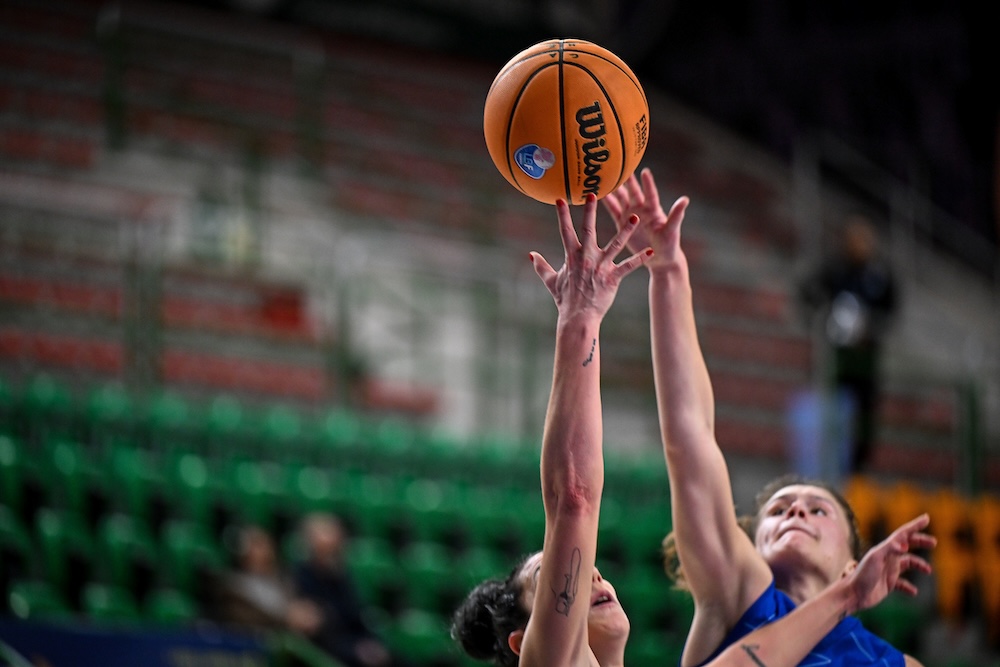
(256, 261)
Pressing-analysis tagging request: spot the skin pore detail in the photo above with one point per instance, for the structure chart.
(566, 597)
(593, 345)
(749, 650)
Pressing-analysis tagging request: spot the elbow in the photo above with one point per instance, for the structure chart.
(573, 500)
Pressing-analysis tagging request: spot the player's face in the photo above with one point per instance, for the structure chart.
(804, 526)
(606, 622)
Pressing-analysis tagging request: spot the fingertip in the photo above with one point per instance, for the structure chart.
(649, 252)
(633, 219)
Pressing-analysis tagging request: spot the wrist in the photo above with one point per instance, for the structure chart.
(845, 597)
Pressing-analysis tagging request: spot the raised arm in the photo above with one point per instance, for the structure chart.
(787, 641)
(572, 466)
(721, 566)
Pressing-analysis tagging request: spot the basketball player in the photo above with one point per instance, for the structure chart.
(555, 608)
(802, 539)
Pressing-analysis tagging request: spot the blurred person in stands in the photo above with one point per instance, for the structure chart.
(554, 608)
(258, 594)
(856, 293)
(800, 544)
(323, 578)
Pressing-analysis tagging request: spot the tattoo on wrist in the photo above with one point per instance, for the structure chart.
(593, 345)
(749, 650)
(566, 597)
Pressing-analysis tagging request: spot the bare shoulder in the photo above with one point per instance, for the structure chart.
(912, 662)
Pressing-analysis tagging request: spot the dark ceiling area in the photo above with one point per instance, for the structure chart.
(912, 85)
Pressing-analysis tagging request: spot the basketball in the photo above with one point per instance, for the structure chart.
(565, 118)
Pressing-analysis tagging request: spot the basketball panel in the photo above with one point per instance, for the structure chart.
(534, 144)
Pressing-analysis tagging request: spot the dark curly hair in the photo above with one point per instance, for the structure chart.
(749, 522)
(487, 616)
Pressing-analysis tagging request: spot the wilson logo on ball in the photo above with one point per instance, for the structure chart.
(591, 123)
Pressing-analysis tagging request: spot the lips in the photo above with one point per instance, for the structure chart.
(599, 599)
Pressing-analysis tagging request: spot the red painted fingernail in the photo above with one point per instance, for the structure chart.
(649, 252)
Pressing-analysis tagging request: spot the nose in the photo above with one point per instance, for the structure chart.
(796, 508)
(597, 576)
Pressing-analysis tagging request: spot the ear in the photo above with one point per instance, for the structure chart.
(514, 640)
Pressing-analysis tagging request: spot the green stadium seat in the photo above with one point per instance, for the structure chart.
(109, 416)
(187, 483)
(338, 437)
(168, 422)
(226, 427)
(126, 554)
(430, 575)
(478, 564)
(135, 480)
(16, 550)
(378, 574)
(47, 409)
(423, 637)
(380, 508)
(11, 473)
(283, 432)
(72, 482)
(67, 551)
(37, 599)
(190, 557)
(169, 607)
(309, 487)
(106, 603)
(437, 510)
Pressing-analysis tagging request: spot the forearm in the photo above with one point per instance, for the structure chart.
(685, 403)
(787, 641)
(572, 462)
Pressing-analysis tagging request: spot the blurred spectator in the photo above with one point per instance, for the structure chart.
(258, 594)
(856, 292)
(323, 578)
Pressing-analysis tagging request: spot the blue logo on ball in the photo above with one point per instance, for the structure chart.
(534, 160)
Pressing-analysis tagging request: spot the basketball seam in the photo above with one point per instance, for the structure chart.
(510, 121)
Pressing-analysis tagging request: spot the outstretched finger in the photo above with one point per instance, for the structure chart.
(915, 562)
(634, 190)
(910, 529)
(676, 215)
(588, 230)
(630, 264)
(650, 194)
(616, 244)
(906, 587)
(566, 230)
(613, 205)
(544, 271)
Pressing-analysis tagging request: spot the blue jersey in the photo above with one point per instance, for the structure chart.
(849, 643)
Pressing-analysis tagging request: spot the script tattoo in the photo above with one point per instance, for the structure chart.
(593, 344)
(749, 650)
(566, 597)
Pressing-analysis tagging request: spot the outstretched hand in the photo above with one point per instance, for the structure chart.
(659, 230)
(589, 278)
(880, 571)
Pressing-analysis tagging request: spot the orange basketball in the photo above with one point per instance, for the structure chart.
(565, 118)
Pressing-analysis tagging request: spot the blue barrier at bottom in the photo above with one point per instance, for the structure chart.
(62, 644)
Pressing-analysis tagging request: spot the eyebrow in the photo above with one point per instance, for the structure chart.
(812, 496)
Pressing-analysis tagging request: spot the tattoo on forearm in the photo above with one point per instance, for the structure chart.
(566, 597)
(593, 346)
(749, 650)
